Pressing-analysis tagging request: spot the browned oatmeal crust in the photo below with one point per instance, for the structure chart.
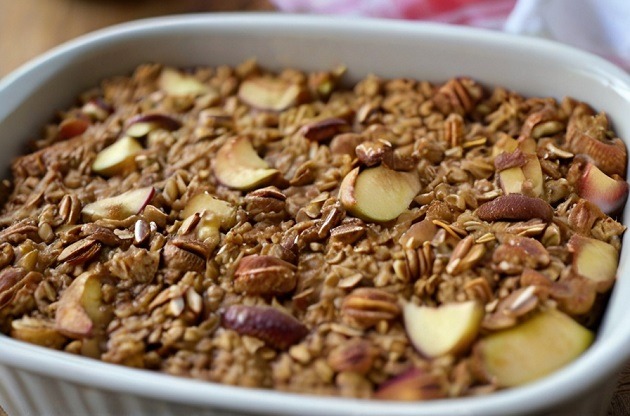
(234, 233)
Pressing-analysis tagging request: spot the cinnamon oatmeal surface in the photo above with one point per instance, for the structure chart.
(284, 231)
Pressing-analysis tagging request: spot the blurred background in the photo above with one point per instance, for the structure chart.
(30, 27)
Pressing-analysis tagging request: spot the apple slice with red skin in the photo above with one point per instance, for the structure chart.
(608, 193)
(80, 310)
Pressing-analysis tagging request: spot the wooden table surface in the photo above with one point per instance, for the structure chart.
(30, 27)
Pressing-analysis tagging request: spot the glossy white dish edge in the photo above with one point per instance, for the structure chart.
(387, 48)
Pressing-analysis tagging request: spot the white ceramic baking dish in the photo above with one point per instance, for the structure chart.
(35, 380)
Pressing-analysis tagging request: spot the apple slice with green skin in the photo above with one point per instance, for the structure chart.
(215, 214)
(594, 259)
(117, 158)
(176, 83)
(238, 166)
(609, 194)
(80, 309)
(532, 349)
(378, 194)
(448, 329)
(120, 206)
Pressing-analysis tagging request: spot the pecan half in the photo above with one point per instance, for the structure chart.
(181, 259)
(264, 275)
(80, 251)
(101, 234)
(278, 329)
(367, 306)
(356, 355)
(12, 279)
(348, 232)
(19, 232)
(267, 202)
(515, 207)
(458, 95)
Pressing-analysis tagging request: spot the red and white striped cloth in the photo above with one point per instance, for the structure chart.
(482, 13)
(600, 26)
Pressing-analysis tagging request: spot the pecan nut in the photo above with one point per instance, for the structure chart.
(367, 306)
(264, 275)
(278, 329)
(515, 207)
(357, 355)
(181, 259)
(80, 251)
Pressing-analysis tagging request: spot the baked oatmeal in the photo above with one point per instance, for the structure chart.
(397, 239)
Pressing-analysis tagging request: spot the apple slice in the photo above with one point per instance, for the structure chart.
(117, 158)
(527, 145)
(535, 348)
(120, 206)
(378, 194)
(447, 329)
(512, 180)
(238, 166)
(533, 172)
(273, 94)
(215, 214)
(223, 213)
(608, 193)
(37, 331)
(594, 259)
(80, 308)
(504, 144)
(176, 83)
